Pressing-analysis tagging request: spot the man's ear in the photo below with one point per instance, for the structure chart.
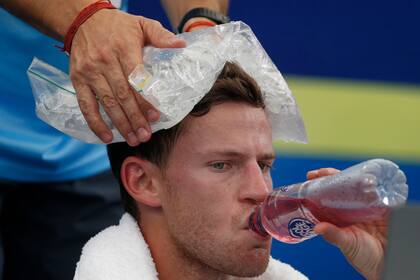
(141, 180)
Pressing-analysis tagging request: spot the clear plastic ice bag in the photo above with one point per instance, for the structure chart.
(174, 81)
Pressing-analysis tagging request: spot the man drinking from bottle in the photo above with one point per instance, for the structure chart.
(189, 191)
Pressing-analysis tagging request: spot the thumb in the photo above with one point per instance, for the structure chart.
(158, 36)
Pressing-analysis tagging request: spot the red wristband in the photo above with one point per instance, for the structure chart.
(84, 14)
(199, 23)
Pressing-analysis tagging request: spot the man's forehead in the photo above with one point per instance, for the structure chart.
(228, 115)
(228, 128)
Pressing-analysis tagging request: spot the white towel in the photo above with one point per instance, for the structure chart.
(121, 253)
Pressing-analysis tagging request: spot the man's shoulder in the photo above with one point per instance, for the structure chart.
(118, 252)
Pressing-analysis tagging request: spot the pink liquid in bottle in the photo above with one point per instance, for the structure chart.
(360, 194)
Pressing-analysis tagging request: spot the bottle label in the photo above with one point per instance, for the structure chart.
(284, 188)
(301, 228)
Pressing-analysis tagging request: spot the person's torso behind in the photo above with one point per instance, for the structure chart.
(31, 150)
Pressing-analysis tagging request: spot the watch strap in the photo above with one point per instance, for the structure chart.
(214, 16)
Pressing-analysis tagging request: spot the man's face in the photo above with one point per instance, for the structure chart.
(217, 173)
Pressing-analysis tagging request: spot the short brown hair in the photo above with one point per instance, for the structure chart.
(232, 85)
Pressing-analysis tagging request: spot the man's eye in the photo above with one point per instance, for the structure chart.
(265, 167)
(219, 165)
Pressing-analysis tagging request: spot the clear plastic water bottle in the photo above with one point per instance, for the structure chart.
(364, 192)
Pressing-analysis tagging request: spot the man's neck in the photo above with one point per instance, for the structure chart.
(172, 262)
(184, 268)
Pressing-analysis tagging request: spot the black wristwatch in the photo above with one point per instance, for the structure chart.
(218, 18)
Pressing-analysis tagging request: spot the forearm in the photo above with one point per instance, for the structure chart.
(176, 9)
(52, 17)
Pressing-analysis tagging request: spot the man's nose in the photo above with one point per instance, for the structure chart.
(256, 185)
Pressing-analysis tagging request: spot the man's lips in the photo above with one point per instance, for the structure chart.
(259, 236)
(245, 223)
(246, 226)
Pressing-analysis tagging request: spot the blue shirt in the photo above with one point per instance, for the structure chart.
(31, 150)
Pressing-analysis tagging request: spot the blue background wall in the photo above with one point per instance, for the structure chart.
(356, 39)
(363, 51)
